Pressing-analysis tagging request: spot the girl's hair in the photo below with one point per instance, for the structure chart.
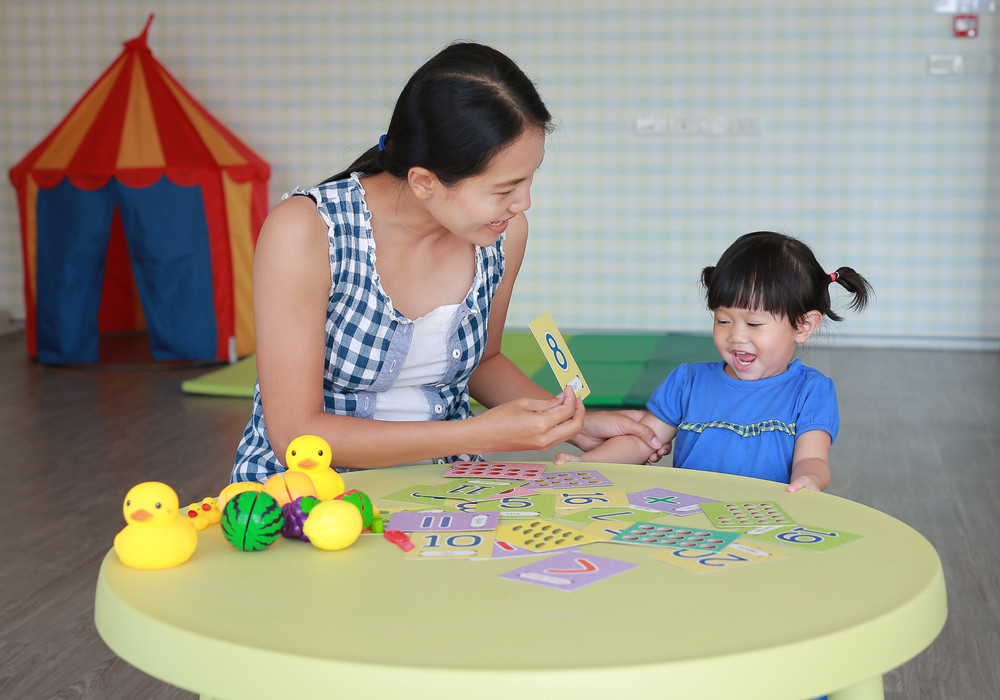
(454, 114)
(771, 272)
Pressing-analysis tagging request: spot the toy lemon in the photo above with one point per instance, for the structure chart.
(311, 454)
(237, 487)
(333, 525)
(157, 535)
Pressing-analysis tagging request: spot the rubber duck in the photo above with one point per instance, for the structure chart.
(157, 535)
(311, 454)
(203, 514)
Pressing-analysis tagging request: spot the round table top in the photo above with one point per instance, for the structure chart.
(294, 619)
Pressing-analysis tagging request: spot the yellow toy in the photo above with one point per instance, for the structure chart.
(311, 454)
(203, 514)
(157, 535)
(232, 489)
(333, 525)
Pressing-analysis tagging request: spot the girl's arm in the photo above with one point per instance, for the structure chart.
(291, 289)
(811, 461)
(625, 449)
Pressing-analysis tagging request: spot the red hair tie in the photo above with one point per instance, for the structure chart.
(834, 276)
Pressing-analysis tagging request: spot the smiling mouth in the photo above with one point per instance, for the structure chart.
(743, 359)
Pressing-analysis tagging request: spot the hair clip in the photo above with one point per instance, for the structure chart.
(381, 141)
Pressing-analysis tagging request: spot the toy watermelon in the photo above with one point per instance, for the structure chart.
(251, 520)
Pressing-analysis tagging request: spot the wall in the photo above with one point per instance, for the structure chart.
(847, 140)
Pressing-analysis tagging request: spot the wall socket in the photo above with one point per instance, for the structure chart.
(718, 125)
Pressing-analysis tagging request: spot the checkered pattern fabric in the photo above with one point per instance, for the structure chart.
(367, 339)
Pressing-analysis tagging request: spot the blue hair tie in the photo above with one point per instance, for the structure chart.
(381, 141)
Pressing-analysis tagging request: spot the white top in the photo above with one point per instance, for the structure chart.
(426, 362)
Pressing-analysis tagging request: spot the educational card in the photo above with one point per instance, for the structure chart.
(569, 480)
(517, 471)
(746, 515)
(609, 515)
(536, 505)
(419, 495)
(503, 549)
(667, 501)
(543, 535)
(431, 546)
(660, 535)
(442, 522)
(803, 537)
(569, 571)
(466, 490)
(735, 555)
(556, 351)
(591, 498)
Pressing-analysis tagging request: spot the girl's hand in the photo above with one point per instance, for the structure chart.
(806, 481)
(531, 424)
(602, 425)
(564, 457)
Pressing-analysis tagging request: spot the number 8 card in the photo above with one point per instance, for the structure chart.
(556, 351)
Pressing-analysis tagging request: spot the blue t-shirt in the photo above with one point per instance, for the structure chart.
(743, 427)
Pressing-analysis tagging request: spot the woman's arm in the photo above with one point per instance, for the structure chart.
(811, 461)
(291, 295)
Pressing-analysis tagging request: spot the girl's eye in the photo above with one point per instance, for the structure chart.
(755, 325)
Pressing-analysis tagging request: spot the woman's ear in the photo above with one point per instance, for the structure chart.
(807, 325)
(422, 182)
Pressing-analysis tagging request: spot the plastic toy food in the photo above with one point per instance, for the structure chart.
(238, 487)
(287, 486)
(311, 454)
(363, 503)
(251, 521)
(295, 514)
(157, 535)
(333, 525)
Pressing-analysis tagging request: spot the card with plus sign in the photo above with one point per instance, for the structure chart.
(667, 501)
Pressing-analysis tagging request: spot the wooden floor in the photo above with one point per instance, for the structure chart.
(920, 440)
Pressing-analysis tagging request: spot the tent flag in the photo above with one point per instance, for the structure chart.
(139, 174)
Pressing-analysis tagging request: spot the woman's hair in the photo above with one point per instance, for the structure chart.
(771, 272)
(454, 114)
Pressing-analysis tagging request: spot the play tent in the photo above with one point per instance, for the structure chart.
(140, 210)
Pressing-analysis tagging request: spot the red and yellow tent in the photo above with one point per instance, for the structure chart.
(139, 197)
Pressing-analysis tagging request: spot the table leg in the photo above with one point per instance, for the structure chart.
(869, 689)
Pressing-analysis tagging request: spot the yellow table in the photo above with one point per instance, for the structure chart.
(296, 621)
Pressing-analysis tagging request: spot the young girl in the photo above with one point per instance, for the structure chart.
(757, 413)
(380, 295)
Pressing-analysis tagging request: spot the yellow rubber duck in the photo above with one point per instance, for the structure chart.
(311, 454)
(203, 514)
(157, 535)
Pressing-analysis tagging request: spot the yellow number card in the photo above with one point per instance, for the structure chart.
(557, 353)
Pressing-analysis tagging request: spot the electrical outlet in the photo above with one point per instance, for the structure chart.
(650, 125)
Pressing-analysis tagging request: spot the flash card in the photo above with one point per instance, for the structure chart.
(667, 501)
(543, 535)
(745, 515)
(735, 555)
(814, 539)
(660, 535)
(450, 545)
(616, 516)
(517, 471)
(569, 571)
(557, 353)
(570, 480)
(440, 522)
(535, 505)
(590, 498)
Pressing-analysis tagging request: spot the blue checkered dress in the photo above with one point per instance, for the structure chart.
(367, 339)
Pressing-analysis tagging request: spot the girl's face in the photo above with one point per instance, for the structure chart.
(479, 209)
(757, 344)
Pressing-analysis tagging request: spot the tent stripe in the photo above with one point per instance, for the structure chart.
(241, 249)
(218, 145)
(140, 145)
(66, 139)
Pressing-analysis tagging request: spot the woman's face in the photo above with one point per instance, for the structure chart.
(479, 208)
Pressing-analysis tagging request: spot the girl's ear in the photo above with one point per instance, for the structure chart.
(807, 325)
(422, 182)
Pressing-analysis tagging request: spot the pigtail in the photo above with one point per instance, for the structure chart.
(854, 283)
(369, 163)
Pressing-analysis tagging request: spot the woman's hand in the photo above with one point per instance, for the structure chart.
(602, 425)
(531, 424)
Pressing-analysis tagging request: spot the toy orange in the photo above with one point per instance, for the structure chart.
(289, 485)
